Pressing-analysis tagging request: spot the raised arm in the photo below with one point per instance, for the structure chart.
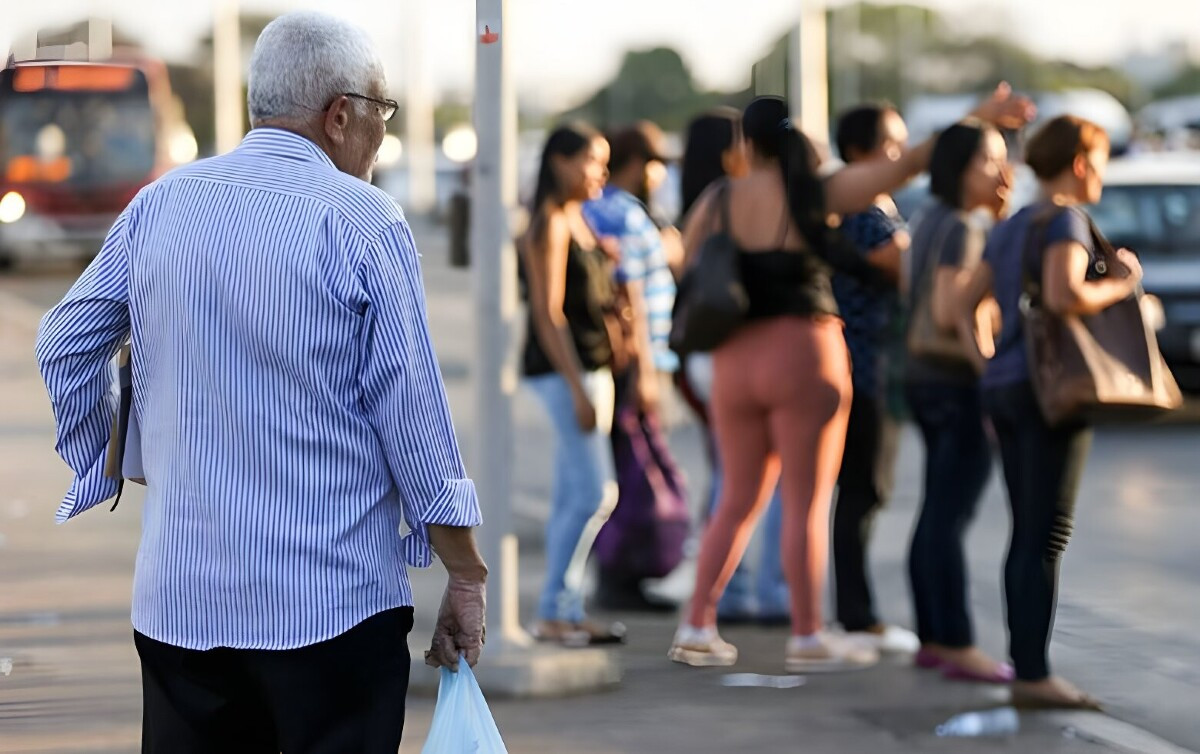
(854, 187)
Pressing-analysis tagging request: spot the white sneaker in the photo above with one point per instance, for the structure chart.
(893, 641)
(829, 653)
(702, 648)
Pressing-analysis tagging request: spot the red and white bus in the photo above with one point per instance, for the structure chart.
(77, 141)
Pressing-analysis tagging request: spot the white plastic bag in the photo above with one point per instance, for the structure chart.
(462, 722)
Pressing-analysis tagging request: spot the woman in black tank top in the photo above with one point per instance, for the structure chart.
(566, 356)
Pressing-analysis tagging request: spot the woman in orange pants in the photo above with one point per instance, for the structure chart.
(782, 386)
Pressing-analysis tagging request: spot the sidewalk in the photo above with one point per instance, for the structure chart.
(73, 684)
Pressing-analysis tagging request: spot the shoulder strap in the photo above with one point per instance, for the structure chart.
(723, 192)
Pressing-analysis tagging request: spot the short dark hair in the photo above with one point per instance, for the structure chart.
(641, 141)
(1056, 145)
(859, 128)
(953, 152)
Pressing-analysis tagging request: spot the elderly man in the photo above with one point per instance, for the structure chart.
(292, 417)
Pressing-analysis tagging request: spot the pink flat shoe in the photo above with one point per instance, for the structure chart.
(927, 660)
(1003, 674)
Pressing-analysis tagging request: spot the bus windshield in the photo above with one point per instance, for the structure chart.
(78, 137)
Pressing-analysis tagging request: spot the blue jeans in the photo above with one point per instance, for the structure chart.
(585, 489)
(764, 593)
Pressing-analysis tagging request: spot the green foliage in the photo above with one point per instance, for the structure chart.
(653, 84)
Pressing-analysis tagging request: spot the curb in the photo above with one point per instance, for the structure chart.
(1099, 728)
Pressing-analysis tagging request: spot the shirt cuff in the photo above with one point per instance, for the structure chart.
(456, 504)
(87, 491)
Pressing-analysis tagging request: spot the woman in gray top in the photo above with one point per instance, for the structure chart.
(969, 172)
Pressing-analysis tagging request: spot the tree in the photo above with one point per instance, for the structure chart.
(1186, 83)
(651, 84)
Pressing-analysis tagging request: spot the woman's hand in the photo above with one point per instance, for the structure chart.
(1130, 262)
(585, 412)
(1004, 110)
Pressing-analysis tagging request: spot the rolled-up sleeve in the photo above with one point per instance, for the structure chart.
(76, 343)
(405, 399)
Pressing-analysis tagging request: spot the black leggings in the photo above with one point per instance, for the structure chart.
(864, 485)
(1042, 468)
(958, 462)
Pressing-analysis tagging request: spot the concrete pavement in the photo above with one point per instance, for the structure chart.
(1129, 608)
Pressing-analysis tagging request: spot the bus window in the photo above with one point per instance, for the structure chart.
(100, 137)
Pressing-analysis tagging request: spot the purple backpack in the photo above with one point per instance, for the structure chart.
(645, 535)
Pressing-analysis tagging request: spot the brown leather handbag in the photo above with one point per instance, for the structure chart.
(925, 339)
(1103, 367)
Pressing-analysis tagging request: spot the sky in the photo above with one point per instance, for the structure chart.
(564, 49)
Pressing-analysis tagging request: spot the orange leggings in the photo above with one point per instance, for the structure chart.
(781, 401)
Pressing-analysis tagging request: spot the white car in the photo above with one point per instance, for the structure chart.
(1151, 204)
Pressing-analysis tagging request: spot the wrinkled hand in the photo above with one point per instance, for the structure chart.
(460, 624)
(1004, 109)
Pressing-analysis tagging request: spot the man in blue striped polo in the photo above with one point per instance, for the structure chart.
(646, 255)
(292, 419)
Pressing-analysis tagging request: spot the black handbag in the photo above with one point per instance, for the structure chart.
(711, 302)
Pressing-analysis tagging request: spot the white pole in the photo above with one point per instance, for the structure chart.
(493, 195)
(809, 93)
(227, 75)
(418, 104)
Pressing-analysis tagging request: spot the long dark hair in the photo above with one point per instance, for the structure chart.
(568, 140)
(952, 155)
(767, 126)
(708, 138)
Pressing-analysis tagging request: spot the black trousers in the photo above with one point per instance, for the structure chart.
(345, 694)
(1042, 469)
(864, 485)
(958, 462)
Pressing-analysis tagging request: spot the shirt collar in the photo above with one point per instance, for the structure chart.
(280, 143)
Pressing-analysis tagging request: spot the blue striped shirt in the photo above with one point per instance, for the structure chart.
(618, 214)
(291, 409)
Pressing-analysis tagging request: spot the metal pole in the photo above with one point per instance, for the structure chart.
(228, 102)
(418, 103)
(810, 71)
(493, 195)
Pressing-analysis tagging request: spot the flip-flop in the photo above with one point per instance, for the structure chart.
(1003, 674)
(1025, 701)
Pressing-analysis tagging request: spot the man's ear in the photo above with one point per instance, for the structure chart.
(337, 118)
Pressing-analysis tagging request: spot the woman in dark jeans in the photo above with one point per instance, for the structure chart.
(969, 171)
(1042, 464)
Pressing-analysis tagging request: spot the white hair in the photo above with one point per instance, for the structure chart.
(302, 61)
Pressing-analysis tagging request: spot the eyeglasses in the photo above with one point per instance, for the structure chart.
(387, 107)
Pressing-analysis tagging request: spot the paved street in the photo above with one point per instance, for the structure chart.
(1128, 628)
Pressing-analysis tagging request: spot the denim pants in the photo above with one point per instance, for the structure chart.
(958, 462)
(763, 592)
(585, 489)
